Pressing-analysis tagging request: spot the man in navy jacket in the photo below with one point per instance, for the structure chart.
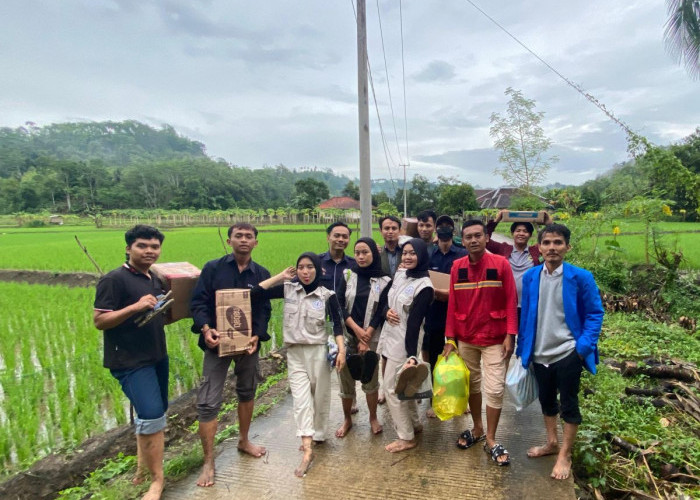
(562, 315)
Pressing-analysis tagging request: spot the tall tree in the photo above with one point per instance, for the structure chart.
(351, 190)
(309, 193)
(521, 142)
(682, 34)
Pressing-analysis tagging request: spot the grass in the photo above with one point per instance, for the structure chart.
(606, 411)
(56, 250)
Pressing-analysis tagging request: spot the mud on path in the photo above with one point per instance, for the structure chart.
(49, 277)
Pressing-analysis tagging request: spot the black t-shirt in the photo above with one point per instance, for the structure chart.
(127, 345)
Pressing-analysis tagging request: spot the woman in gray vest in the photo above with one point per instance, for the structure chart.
(359, 295)
(409, 298)
(306, 304)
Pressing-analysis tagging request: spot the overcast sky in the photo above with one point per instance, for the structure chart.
(270, 82)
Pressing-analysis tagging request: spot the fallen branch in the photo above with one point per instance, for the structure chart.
(632, 368)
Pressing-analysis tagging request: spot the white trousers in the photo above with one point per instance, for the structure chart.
(403, 413)
(310, 382)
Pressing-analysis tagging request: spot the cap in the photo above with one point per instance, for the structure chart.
(445, 219)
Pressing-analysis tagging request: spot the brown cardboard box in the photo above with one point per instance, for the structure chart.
(516, 216)
(440, 280)
(234, 320)
(180, 277)
(409, 227)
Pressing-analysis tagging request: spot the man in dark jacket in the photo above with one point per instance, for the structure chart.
(236, 270)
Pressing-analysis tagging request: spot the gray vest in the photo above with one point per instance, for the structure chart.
(401, 295)
(305, 315)
(376, 286)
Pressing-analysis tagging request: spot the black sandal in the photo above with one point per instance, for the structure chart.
(470, 439)
(496, 451)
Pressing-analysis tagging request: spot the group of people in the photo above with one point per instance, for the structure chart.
(385, 315)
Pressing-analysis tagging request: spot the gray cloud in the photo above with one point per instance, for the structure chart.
(436, 71)
(275, 82)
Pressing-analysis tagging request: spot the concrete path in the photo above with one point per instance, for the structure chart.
(359, 467)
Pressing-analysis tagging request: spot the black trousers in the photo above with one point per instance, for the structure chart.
(434, 343)
(564, 377)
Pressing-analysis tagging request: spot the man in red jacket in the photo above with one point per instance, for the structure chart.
(482, 323)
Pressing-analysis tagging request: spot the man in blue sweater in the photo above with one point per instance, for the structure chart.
(562, 315)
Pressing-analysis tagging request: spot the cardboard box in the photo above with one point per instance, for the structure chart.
(515, 216)
(180, 277)
(409, 227)
(234, 320)
(440, 280)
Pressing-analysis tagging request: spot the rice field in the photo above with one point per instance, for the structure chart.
(54, 391)
(56, 250)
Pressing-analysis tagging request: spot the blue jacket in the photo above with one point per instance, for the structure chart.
(583, 313)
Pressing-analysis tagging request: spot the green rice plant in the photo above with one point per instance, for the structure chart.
(54, 390)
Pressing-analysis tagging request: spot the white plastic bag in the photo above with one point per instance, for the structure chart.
(521, 385)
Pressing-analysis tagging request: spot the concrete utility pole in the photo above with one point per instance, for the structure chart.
(363, 115)
(405, 209)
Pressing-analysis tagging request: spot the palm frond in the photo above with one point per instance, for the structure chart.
(682, 33)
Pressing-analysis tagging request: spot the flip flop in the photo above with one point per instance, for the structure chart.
(470, 439)
(496, 451)
(418, 376)
(369, 364)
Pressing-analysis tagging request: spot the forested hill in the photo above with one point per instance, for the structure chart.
(116, 144)
(89, 167)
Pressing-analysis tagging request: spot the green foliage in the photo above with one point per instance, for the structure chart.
(454, 197)
(526, 202)
(309, 193)
(606, 412)
(521, 142)
(351, 190)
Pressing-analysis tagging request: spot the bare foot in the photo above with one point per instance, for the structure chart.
(376, 426)
(305, 463)
(154, 491)
(541, 451)
(400, 445)
(139, 477)
(251, 449)
(562, 469)
(417, 429)
(430, 413)
(206, 478)
(344, 429)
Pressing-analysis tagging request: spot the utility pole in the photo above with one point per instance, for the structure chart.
(363, 115)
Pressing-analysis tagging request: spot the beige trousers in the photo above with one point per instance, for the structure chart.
(310, 383)
(494, 371)
(403, 413)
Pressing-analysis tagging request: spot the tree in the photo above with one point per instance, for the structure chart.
(309, 193)
(455, 197)
(682, 34)
(522, 143)
(351, 190)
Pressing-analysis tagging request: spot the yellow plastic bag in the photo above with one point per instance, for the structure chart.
(450, 387)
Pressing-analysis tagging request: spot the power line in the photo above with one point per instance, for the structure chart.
(573, 85)
(388, 85)
(403, 77)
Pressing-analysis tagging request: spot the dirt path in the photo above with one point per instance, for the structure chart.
(49, 277)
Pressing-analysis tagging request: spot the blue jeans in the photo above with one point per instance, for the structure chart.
(147, 389)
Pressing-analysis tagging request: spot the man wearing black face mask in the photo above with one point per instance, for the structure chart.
(441, 261)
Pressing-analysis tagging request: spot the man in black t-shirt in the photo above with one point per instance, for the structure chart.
(136, 355)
